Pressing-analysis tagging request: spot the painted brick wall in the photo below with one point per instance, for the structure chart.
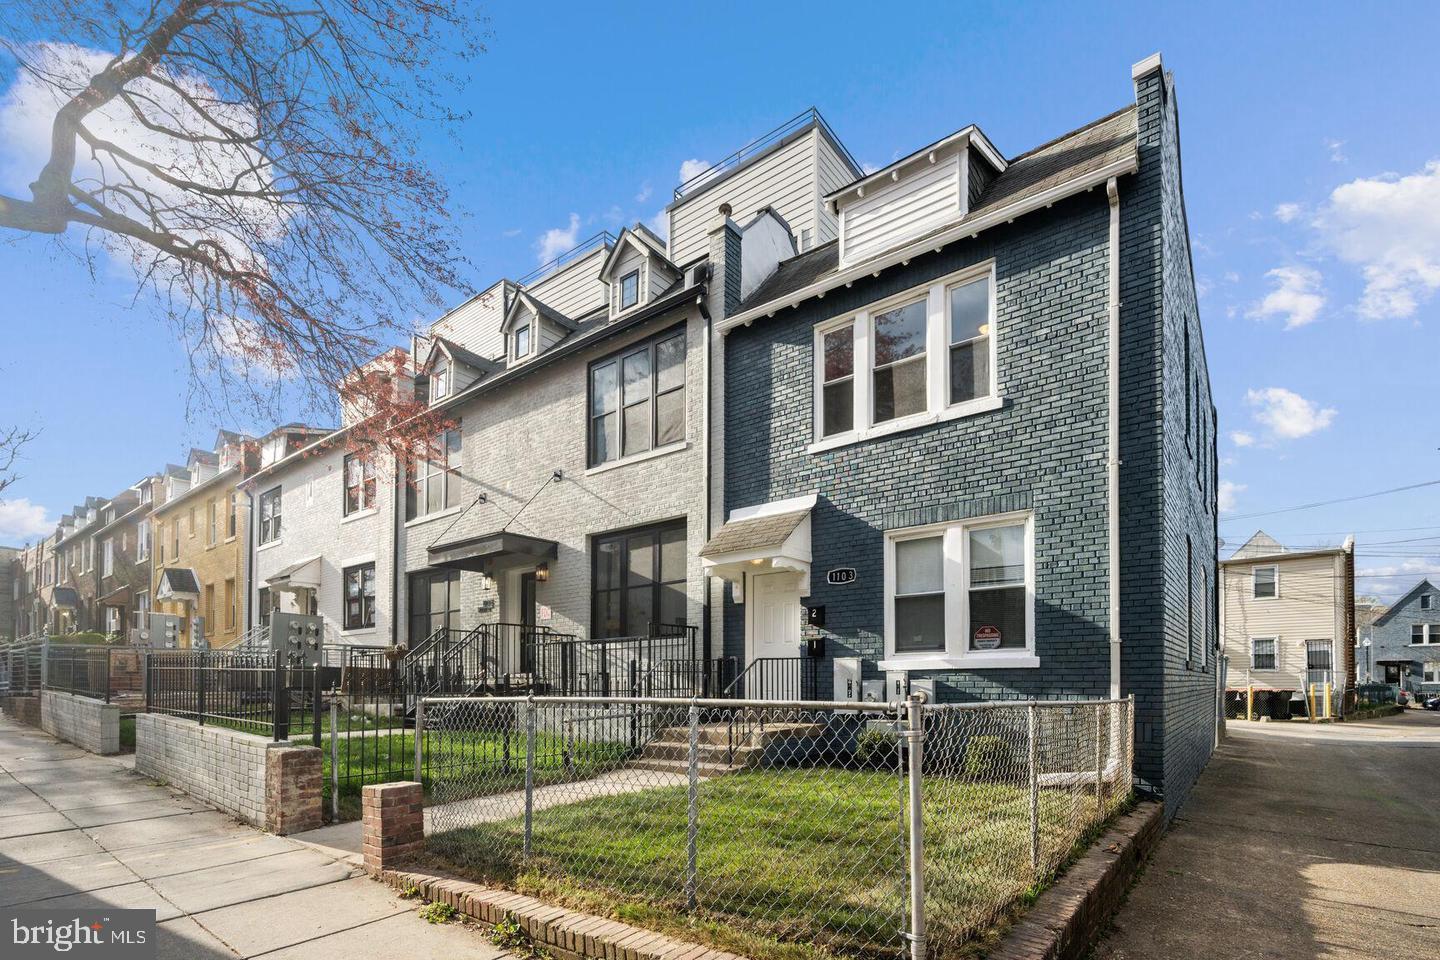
(89, 724)
(224, 768)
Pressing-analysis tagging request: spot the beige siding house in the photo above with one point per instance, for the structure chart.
(1287, 619)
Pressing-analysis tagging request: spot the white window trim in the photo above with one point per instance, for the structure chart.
(1429, 632)
(1265, 566)
(955, 544)
(1435, 672)
(651, 454)
(639, 296)
(1274, 640)
(937, 364)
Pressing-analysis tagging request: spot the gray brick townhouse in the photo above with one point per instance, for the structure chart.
(968, 436)
(1405, 642)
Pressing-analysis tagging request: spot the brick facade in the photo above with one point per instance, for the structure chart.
(90, 724)
(293, 794)
(393, 823)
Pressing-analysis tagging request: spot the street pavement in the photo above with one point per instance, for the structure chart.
(1299, 842)
(80, 831)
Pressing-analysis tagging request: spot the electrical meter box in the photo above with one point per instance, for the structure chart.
(847, 679)
(897, 685)
(298, 636)
(873, 691)
(164, 633)
(926, 687)
(197, 634)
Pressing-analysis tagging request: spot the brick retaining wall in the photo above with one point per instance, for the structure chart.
(274, 786)
(24, 709)
(90, 724)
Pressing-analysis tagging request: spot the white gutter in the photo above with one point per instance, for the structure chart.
(965, 228)
(1112, 461)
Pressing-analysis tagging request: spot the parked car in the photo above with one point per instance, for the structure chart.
(1432, 702)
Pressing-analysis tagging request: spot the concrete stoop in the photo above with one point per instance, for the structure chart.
(566, 934)
(715, 752)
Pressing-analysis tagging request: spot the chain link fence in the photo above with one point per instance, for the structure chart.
(773, 829)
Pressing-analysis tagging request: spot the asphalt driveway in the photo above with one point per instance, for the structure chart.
(1299, 842)
(80, 831)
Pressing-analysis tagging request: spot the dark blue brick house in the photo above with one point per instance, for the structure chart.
(1405, 642)
(969, 443)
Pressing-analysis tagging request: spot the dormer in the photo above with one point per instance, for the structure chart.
(932, 188)
(637, 271)
(202, 465)
(449, 368)
(531, 328)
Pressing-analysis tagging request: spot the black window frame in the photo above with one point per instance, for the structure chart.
(367, 488)
(635, 298)
(651, 347)
(656, 534)
(268, 528)
(422, 472)
(450, 615)
(364, 618)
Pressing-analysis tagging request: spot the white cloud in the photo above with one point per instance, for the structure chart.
(1286, 212)
(1226, 494)
(1337, 150)
(1242, 439)
(660, 223)
(1389, 226)
(1297, 297)
(557, 240)
(512, 232)
(644, 193)
(691, 169)
(21, 520)
(1203, 286)
(868, 168)
(1286, 414)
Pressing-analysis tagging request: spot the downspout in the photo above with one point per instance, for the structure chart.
(395, 572)
(1112, 461)
(705, 629)
(251, 588)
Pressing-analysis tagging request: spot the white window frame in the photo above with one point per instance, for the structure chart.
(937, 362)
(440, 381)
(1256, 569)
(1429, 633)
(956, 558)
(107, 557)
(1274, 652)
(142, 540)
(1429, 669)
(260, 528)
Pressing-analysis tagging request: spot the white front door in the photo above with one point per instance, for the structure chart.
(773, 635)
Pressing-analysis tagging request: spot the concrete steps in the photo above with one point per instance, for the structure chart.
(715, 754)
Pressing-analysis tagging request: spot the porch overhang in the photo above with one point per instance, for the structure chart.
(178, 584)
(492, 552)
(770, 537)
(302, 575)
(65, 597)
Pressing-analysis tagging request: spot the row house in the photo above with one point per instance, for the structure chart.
(1402, 646)
(29, 570)
(946, 425)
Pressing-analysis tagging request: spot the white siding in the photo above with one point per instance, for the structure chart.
(550, 334)
(783, 179)
(576, 289)
(475, 324)
(832, 172)
(1309, 607)
(919, 202)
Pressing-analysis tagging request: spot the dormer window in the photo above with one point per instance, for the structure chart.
(630, 289)
(522, 341)
(440, 381)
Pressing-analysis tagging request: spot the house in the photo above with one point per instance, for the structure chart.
(74, 589)
(31, 568)
(1288, 622)
(1405, 642)
(122, 565)
(199, 524)
(968, 434)
(9, 591)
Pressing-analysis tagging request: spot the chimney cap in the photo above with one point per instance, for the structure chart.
(1148, 65)
(725, 210)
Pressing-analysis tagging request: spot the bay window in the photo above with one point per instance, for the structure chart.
(637, 400)
(924, 356)
(961, 595)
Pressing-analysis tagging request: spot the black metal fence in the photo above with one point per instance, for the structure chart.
(261, 693)
(109, 673)
(21, 666)
(776, 678)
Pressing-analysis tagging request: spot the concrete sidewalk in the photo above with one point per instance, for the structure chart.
(81, 831)
(1299, 842)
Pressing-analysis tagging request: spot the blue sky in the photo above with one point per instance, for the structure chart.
(1308, 130)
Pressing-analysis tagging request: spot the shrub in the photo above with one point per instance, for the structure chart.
(988, 758)
(874, 747)
(438, 912)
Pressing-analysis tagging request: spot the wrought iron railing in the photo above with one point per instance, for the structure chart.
(776, 678)
(759, 145)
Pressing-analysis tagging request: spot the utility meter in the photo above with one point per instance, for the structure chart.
(164, 633)
(298, 636)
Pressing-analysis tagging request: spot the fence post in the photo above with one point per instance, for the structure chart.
(334, 761)
(44, 662)
(419, 737)
(279, 699)
(915, 739)
(1099, 781)
(1032, 721)
(692, 819)
(108, 654)
(529, 771)
(315, 702)
(200, 686)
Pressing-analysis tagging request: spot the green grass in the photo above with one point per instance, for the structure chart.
(793, 864)
(127, 733)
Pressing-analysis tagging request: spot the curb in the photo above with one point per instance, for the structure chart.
(1068, 917)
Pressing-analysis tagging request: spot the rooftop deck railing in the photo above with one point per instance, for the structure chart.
(760, 145)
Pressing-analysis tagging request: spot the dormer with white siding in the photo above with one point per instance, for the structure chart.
(475, 325)
(532, 327)
(449, 368)
(637, 270)
(930, 189)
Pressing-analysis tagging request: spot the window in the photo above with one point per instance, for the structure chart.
(925, 356)
(630, 289)
(1189, 601)
(142, 540)
(434, 603)
(436, 483)
(360, 596)
(1425, 601)
(232, 517)
(1432, 672)
(112, 620)
(962, 590)
(107, 558)
(440, 380)
(359, 483)
(1265, 582)
(522, 341)
(210, 624)
(270, 515)
(230, 604)
(146, 495)
(175, 539)
(1262, 653)
(1425, 633)
(265, 605)
(637, 400)
(212, 522)
(638, 580)
(1417, 633)
(194, 527)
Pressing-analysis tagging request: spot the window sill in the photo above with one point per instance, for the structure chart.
(427, 517)
(669, 448)
(357, 632)
(973, 661)
(360, 515)
(969, 408)
(267, 545)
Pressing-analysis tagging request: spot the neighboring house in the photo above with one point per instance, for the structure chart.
(75, 586)
(1367, 611)
(199, 531)
(123, 546)
(932, 420)
(1288, 618)
(31, 566)
(1405, 641)
(9, 591)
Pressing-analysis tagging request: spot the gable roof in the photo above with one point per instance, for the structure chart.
(1260, 544)
(457, 352)
(641, 238)
(1410, 594)
(540, 310)
(1065, 165)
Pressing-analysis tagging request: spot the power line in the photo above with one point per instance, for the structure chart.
(1327, 503)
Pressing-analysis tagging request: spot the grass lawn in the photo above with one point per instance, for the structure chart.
(792, 864)
(127, 733)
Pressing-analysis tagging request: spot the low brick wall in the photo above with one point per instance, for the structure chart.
(90, 724)
(233, 771)
(23, 709)
(393, 825)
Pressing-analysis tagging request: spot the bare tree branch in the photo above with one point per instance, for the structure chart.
(12, 439)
